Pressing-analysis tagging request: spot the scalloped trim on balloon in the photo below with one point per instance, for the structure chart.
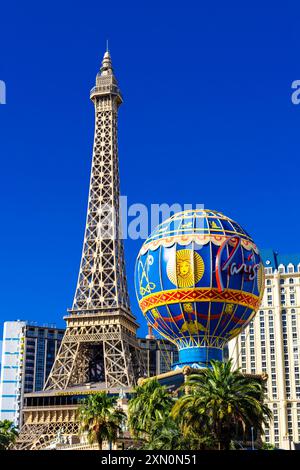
(199, 239)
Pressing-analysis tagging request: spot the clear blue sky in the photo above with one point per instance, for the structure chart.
(207, 118)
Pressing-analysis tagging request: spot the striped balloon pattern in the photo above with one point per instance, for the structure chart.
(199, 281)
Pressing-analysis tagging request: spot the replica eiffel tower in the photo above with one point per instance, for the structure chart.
(99, 349)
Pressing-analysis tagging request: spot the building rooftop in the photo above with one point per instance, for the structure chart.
(51, 326)
(272, 259)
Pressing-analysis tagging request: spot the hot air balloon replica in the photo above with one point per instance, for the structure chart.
(199, 281)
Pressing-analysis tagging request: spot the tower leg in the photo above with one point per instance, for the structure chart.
(101, 352)
(63, 367)
(41, 436)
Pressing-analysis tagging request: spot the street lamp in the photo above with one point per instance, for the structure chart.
(289, 438)
(290, 441)
(252, 437)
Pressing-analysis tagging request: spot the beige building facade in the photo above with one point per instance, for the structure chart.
(271, 344)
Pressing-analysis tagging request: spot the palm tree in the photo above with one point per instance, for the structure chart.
(99, 417)
(8, 434)
(165, 435)
(218, 400)
(151, 403)
(190, 416)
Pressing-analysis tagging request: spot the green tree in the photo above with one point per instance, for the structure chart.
(99, 417)
(267, 446)
(168, 435)
(8, 434)
(218, 400)
(165, 435)
(151, 403)
(189, 414)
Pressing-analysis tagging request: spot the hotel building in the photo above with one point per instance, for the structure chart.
(159, 355)
(28, 353)
(271, 344)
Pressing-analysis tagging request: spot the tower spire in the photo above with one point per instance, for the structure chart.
(100, 341)
(106, 68)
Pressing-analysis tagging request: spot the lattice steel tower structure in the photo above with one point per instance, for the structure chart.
(100, 340)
